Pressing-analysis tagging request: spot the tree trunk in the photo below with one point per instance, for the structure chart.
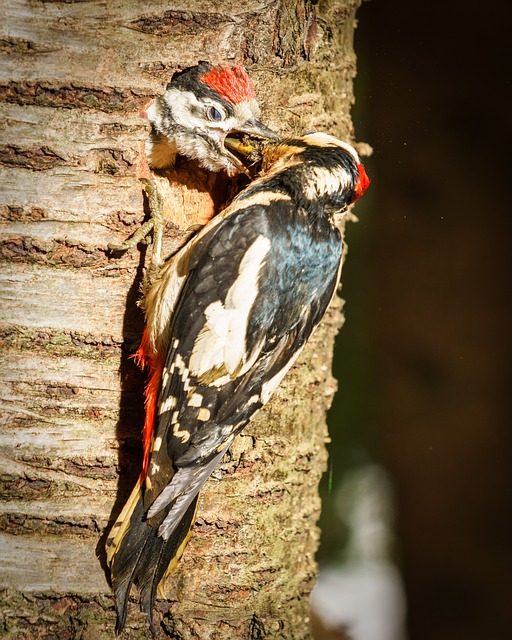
(75, 78)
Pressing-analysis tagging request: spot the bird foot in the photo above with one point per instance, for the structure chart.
(152, 231)
(154, 226)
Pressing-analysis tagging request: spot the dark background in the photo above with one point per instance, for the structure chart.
(424, 359)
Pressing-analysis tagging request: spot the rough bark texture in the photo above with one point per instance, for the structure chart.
(74, 78)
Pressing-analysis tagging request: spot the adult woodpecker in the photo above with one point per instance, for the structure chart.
(225, 320)
(201, 106)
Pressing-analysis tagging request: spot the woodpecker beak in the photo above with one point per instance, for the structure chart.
(258, 129)
(247, 152)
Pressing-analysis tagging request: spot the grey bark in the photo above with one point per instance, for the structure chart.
(74, 78)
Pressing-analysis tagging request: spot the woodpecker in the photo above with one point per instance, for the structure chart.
(201, 106)
(225, 320)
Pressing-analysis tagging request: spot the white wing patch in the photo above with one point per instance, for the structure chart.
(161, 301)
(221, 343)
(268, 387)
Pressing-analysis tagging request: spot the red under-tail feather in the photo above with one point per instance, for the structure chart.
(146, 359)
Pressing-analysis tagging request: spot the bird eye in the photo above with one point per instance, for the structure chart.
(214, 114)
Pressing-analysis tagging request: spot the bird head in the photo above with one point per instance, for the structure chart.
(200, 108)
(327, 169)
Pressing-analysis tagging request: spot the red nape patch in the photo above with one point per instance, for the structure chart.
(231, 83)
(145, 359)
(363, 182)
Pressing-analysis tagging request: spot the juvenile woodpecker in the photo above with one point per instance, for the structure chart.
(201, 106)
(226, 319)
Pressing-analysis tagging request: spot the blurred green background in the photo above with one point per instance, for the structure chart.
(420, 471)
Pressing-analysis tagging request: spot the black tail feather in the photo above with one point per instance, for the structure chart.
(143, 558)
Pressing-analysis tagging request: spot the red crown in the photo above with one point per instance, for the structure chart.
(231, 83)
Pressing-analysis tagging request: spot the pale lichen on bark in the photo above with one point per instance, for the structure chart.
(75, 78)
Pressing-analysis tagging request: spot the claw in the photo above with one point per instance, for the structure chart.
(139, 236)
(155, 203)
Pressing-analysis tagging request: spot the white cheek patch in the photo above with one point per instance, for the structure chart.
(221, 343)
(324, 182)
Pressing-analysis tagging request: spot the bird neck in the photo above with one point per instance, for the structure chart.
(160, 151)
